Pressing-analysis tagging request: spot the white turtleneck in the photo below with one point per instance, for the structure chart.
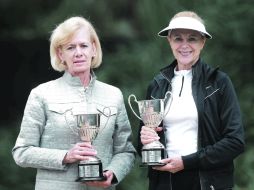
(181, 121)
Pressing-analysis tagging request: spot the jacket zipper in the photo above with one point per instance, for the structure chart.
(181, 87)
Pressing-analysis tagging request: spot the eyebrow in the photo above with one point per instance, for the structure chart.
(74, 44)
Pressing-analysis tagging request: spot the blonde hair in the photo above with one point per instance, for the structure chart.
(63, 33)
(188, 14)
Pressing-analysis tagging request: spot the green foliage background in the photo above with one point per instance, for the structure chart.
(133, 54)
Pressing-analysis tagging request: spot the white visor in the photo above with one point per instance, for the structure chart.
(185, 23)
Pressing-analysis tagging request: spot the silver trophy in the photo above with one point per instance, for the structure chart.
(87, 128)
(152, 113)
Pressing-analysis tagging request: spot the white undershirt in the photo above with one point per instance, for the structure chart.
(181, 121)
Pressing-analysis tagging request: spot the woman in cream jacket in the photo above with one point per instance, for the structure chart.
(47, 141)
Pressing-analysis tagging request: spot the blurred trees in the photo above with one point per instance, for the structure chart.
(133, 54)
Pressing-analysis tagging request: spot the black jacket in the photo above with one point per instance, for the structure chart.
(220, 130)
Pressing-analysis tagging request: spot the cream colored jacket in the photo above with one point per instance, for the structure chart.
(45, 134)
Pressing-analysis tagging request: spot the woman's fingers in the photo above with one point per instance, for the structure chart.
(80, 151)
(148, 135)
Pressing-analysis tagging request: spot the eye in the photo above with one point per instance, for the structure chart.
(70, 48)
(83, 45)
(193, 39)
(177, 39)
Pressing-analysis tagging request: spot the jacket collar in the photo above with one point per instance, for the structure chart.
(75, 81)
(198, 68)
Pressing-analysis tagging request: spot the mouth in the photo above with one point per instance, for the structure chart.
(79, 62)
(185, 53)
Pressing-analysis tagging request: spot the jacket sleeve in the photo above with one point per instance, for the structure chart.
(123, 149)
(224, 130)
(27, 151)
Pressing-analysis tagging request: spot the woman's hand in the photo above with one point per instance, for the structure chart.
(79, 152)
(104, 184)
(173, 165)
(148, 135)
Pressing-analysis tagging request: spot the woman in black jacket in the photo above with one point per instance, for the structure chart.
(202, 131)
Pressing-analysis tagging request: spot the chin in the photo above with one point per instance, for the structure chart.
(185, 63)
(81, 70)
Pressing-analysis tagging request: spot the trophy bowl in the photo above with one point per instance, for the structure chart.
(152, 112)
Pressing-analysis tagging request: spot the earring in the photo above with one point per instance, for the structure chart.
(63, 62)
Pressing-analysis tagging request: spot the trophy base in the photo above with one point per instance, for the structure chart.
(151, 164)
(152, 154)
(90, 170)
(87, 179)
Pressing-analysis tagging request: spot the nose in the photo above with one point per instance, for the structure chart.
(185, 43)
(78, 51)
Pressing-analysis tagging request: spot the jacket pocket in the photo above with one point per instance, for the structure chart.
(108, 115)
(221, 178)
(59, 108)
(61, 114)
(107, 111)
(211, 91)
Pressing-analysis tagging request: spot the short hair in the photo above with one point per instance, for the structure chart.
(63, 33)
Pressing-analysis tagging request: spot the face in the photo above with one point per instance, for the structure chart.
(186, 46)
(78, 53)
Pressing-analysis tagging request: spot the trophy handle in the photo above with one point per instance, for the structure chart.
(129, 101)
(167, 102)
